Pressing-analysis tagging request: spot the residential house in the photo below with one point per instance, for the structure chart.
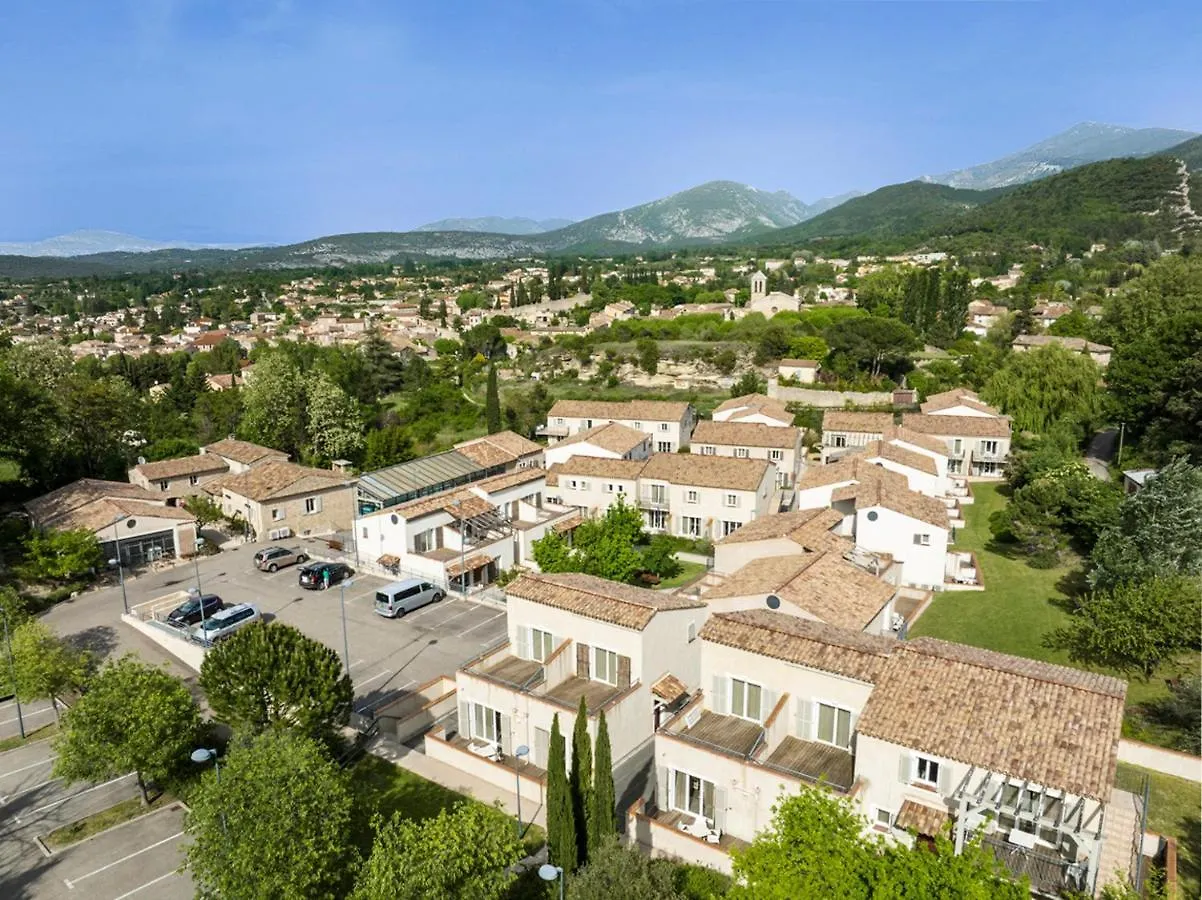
(752, 440)
(1046, 314)
(924, 738)
(803, 371)
(278, 499)
(671, 423)
(206, 340)
(1099, 353)
(958, 402)
(1135, 480)
(842, 431)
(983, 315)
(754, 408)
(627, 651)
(507, 449)
(131, 523)
(240, 456)
(977, 445)
(611, 440)
(182, 477)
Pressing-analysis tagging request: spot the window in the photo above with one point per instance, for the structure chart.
(163, 485)
(838, 440)
(741, 453)
(559, 421)
(609, 488)
(423, 542)
(872, 515)
(745, 699)
(728, 527)
(588, 423)
(690, 497)
(663, 426)
(834, 725)
(663, 446)
(922, 540)
(486, 723)
(708, 450)
(638, 426)
(541, 644)
(583, 485)
(193, 479)
(957, 445)
(605, 666)
(692, 632)
(692, 794)
(572, 484)
(989, 448)
(277, 515)
(883, 818)
(657, 518)
(312, 505)
(732, 499)
(365, 532)
(926, 771)
(776, 455)
(690, 525)
(659, 493)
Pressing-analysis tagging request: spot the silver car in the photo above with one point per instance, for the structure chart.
(400, 597)
(272, 558)
(221, 625)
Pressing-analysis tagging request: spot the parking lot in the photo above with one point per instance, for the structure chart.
(35, 715)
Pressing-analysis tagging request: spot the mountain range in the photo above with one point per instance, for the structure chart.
(497, 225)
(87, 242)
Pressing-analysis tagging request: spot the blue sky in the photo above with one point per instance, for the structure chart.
(275, 121)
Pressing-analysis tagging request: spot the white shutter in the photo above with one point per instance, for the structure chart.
(905, 768)
(719, 808)
(524, 649)
(663, 796)
(945, 779)
(317, 504)
(721, 700)
(465, 719)
(805, 719)
(768, 701)
(506, 735)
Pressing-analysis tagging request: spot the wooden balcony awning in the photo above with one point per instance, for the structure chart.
(928, 820)
(388, 561)
(669, 689)
(471, 564)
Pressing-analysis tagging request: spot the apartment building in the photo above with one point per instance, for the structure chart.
(780, 446)
(239, 456)
(463, 537)
(924, 737)
(627, 651)
(754, 408)
(506, 449)
(670, 424)
(958, 402)
(681, 494)
(977, 445)
(609, 441)
(844, 431)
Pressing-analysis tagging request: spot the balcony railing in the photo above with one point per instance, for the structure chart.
(1050, 874)
(651, 502)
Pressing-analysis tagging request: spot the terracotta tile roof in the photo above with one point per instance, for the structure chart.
(498, 449)
(1056, 726)
(923, 819)
(858, 422)
(242, 451)
(805, 642)
(956, 397)
(824, 585)
(632, 410)
(103, 512)
(799, 363)
(957, 426)
(899, 499)
(612, 436)
(707, 471)
(669, 688)
(567, 523)
(200, 464)
(209, 339)
(810, 528)
(510, 479)
(49, 507)
(901, 434)
(275, 479)
(751, 404)
(1080, 345)
(854, 468)
(471, 564)
(745, 434)
(911, 459)
(598, 598)
(596, 467)
(447, 501)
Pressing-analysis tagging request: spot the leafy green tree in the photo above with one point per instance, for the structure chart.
(750, 382)
(334, 425)
(580, 779)
(468, 851)
(1181, 710)
(206, 510)
(561, 822)
(872, 345)
(648, 353)
(484, 340)
(442, 312)
(808, 346)
(270, 675)
(276, 825)
(615, 872)
(601, 826)
(1134, 626)
(1042, 388)
(133, 717)
(660, 557)
(725, 361)
(492, 403)
(773, 344)
(387, 447)
(45, 666)
(604, 547)
(60, 555)
(274, 405)
(1158, 532)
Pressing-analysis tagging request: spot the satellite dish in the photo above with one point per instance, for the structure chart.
(773, 601)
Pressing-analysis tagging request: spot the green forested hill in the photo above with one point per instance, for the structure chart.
(1190, 152)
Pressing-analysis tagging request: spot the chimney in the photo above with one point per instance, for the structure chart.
(342, 466)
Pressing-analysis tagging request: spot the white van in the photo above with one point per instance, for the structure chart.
(400, 597)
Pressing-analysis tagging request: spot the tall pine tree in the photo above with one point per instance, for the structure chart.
(492, 403)
(601, 811)
(561, 824)
(581, 779)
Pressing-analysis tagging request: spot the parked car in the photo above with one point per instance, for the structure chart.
(189, 612)
(225, 623)
(320, 575)
(273, 558)
(400, 597)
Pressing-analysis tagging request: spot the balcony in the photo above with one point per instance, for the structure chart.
(501, 666)
(1050, 873)
(596, 694)
(653, 502)
(555, 431)
(814, 762)
(961, 572)
(725, 734)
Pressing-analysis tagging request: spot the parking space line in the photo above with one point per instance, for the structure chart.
(146, 885)
(499, 615)
(373, 678)
(452, 618)
(26, 714)
(41, 762)
(96, 787)
(5, 799)
(71, 882)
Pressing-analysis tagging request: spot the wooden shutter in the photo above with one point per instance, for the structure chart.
(524, 650)
(905, 768)
(720, 702)
(465, 718)
(623, 672)
(805, 719)
(506, 735)
(582, 652)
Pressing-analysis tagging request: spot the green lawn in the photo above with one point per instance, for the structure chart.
(1018, 607)
(37, 734)
(105, 819)
(1173, 810)
(689, 571)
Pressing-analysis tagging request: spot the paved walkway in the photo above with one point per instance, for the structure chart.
(450, 777)
(1120, 831)
(1158, 759)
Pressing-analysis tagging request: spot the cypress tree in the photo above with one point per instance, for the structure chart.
(581, 779)
(601, 812)
(561, 824)
(492, 403)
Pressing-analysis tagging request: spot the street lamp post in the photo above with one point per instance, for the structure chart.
(521, 751)
(548, 872)
(121, 575)
(200, 756)
(200, 594)
(462, 548)
(346, 646)
(12, 671)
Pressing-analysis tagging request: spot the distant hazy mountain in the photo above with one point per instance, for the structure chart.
(1088, 142)
(85, 243)
(497, 225)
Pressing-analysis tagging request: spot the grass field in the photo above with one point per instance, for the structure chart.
(105, 819)
(689, 572)
(37, 734)
(1173, 810)
(1019, 606)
